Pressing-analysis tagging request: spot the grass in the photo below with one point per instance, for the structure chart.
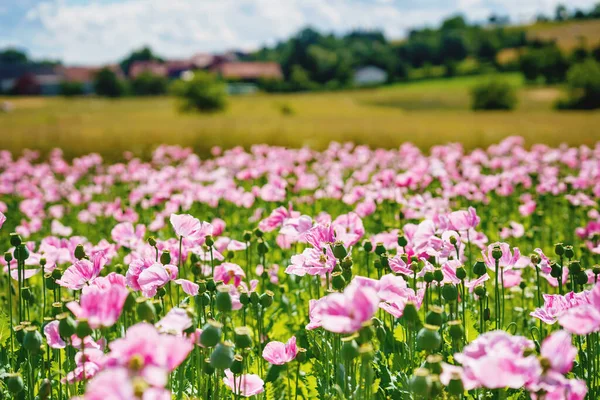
(425, 113)
(568, 34)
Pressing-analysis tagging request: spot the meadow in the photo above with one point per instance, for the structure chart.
(425, 113)
(279, 273)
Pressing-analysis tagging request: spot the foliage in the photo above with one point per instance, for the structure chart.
(148, 84)
(547, 62)
(107, 84)
(13, 56)
(583, 81)
(143, 54)
(494, 95)
(204, 92)
(70, 89)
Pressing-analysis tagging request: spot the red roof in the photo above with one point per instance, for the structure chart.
(249, 70)
(154, 67)
(86, 74)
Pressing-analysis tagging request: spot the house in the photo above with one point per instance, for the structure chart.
(369, 75)
(87, 75)
(29, 79)
(248, 71)
(154, 67)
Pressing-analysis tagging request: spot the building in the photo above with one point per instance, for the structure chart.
(248, 71)
(29, 79)
(154, 67)
(369, 76)
(86, 75)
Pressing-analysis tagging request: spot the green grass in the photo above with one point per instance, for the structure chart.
(426, 113)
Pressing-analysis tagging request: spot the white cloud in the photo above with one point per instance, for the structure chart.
(97, 32)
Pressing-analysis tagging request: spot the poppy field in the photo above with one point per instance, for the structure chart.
(276, 273)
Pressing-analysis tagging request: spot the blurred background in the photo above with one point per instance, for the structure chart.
(110, 76)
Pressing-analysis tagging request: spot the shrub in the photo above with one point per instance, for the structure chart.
(203, 92)
(494, 95)
(583, 80)
(149, 84)
(70, 89)
(107, 84)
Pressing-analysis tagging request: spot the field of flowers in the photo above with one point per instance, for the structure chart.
(275, 273)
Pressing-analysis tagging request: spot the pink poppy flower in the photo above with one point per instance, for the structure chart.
(2, 219)
(53, 337)
(87, 364)
(154, 277)
(559, 350)
(347, 312)
(83, 272)
(116, 384)
(190, 228)
(218, 226)
(508, 259)
(229, 273)
(312, 261)
(464, 220)
(190, 288)
(278, 353)
(101, 306)
(126, 235)
(175, 322)
(246, 385)
(313, 316)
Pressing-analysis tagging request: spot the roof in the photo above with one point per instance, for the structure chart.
(15, 71)
(154, 67)
(249, 70)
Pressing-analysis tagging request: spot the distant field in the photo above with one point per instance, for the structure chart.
(568, 34)
(425, 113)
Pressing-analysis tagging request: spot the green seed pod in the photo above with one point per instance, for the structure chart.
(15, 240)
(247, 236)
(208, 369)
(66, 326)
(266, 299)
(209, 241)
(380, 249)
(461, 273)
(569, 252)
(479, 268)
(49, 282)
(555, 271)
(19, 333)
(433, 363)
(402, 242)
(337, 281)
(211, 285)
(238, 364)
(428, 277)
(21, 253)
(8, 257)
(79, 252)
(129, 302)
(436, 386)
(244, 298)
(486, 314)
(258, 233)
(26, 293)
(581, 278)
(346, 263)
(243, 337)
(165, 257)
(455, 330)
(262, 247)
(449, 292)
(429, 338)
(480, 291)
(574, 267)
(349, 350)
(222, 356)
(496, 253)
(254, 298)
(301, 356)
(368, 246)
(559, 249)
(411, 314)
(339, 251)
(534, 258)
(15, 383)
(45, 389)
(596, 269)
(145, 310)
(434, 316)
(211, 334)
(438, 275)
(83, 329)
(420, 384)
(377, 263)
(152, 241)
(33, 339)
(455, 386)
(223, 299)
(56, 274)
(385, 261)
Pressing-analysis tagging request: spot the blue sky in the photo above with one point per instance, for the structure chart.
(90, 32)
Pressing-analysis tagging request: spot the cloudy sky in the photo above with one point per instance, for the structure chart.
(98, 31)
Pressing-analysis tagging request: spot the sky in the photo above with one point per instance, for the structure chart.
(89, 32)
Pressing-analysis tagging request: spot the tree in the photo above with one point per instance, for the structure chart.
(561, 13)
(583, 80)
(70, 89)
(456, 22)
(143, 54)
(204, 92)
(494, 95)
(453, 47)
(107, 84)
(149, 84)
(13, 56)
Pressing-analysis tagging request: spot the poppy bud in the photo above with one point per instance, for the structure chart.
(45, 389)
(569, 252)
(145, 310)
(337, 281)
(486, 314)
(559, 250)
(243, 337)
(496, 253)
(32, 340)
(258, 233)
(379, 249)
(165, 257)
(152, 241)
(222, 356)
(208, 369)
(254, 298)
(79, 252)
(266, 299)
(66, 326)
(434, 316)
(21, 253)
(429, 338)
(339, 251)
(8, 257)
(209, 241)
(15, 240)
(43, 262)
(438, 275)
(480, 291)
(453, 240)
(238, 364)
(301, 356)
(211, 285)
(596, 269)
(461, 273)
(14, 383)
(211, 333)
(368, 246)
(161, 292)
(522, 285)
(385, 261)
(56, 274)
(449, 292)
(402, 242)
(223, 299)
(479, 268)
(349, 350)
(428, 277)
(455, 330)
(247, 236)
(535, 259)
(420, 383)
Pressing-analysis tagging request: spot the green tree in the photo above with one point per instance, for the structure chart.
(143, 54)
(583, 80)
(149, 84)
(107, 84)
(13, 56)
(493, 95)
(204, 92)
(70, 89)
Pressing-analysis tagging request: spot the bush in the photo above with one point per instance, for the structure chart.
(584, 86)
(148, 84)
(70, 89)
(107, 84)
(547, 62)
(494, 95)
(203, 92)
